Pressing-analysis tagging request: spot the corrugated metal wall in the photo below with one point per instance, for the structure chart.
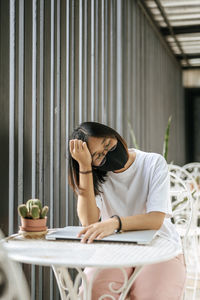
(64, 62)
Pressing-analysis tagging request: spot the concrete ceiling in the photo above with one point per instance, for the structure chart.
(179, 22)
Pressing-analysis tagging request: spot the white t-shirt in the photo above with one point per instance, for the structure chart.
(142, 188)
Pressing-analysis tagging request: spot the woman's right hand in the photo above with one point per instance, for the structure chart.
(80, 152)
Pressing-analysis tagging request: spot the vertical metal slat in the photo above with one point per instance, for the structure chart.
(72, 93)
(96, 109)
(11, 113)
(34, 125)
(34, 43)
(111, 107)
(21, 104)
(57, 125)
(92, 62)
(106, 63)
(41, 125)
(80, 60)
(85, 115)
(67, 105)
(52, 134)
(57, 112)
(128, 74)
(41, 101)
(52, 115)
(72, 79)
(57, 131)
(119, 68)
(102, 63)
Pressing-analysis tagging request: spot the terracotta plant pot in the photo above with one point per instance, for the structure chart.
(32, 225)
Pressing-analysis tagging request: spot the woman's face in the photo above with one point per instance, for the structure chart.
(99, 147)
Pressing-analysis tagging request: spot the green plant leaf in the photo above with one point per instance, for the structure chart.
(166, 139)
(135, 144)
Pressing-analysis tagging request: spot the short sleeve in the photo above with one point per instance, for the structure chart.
(99, 202)
(159, 187)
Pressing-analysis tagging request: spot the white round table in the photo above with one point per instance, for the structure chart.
(62, 255)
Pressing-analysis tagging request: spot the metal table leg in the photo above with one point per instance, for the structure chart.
(69, 290)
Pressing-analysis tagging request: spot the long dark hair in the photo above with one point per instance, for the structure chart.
(82, 132)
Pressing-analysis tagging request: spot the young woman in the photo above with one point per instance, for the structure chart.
(123, 189)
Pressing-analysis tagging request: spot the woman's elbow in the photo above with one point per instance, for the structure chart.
(158, 225)
(158, 219)
(85, 221)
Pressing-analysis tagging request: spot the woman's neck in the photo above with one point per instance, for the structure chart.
(131, 159)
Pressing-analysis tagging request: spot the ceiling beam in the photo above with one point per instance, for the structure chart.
(162, 11)
(147, 12)
(189, 56)
(190, 67)
(181, 29)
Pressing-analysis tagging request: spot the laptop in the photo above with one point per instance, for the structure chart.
(138, 237)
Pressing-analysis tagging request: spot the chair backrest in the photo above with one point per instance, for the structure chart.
(13, 284)
(187, 177)
(182, 206)
(191, 184)
(194, 169)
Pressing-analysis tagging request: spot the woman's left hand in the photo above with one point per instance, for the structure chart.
(98, 230)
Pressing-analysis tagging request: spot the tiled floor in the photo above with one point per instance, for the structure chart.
(189, 295)
(189, 292)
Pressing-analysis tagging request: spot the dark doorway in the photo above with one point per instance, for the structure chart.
(192, 115)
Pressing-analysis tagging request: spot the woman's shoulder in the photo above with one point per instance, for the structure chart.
(146, 154)
(149, 158)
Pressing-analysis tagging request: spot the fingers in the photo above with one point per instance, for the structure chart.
(90, 233)
(80, 152)
(82, 232)
(89, 236)
(100, 236)
(92, 237)
(71, 146)
(80, 145)
(76, 145)
(84, 145)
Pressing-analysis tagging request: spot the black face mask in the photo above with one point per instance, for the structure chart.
(114, 159)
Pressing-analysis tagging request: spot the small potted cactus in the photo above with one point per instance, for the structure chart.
(33, 216)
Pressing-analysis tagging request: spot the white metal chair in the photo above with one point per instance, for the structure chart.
(182, 207)
(194, 170)
(190, 183)
(193, 187)
(13, 283)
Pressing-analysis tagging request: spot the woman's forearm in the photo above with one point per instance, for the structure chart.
(102, 229)
(87, 209)
(152, 220)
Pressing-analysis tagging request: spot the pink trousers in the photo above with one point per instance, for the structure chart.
(162, 281)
